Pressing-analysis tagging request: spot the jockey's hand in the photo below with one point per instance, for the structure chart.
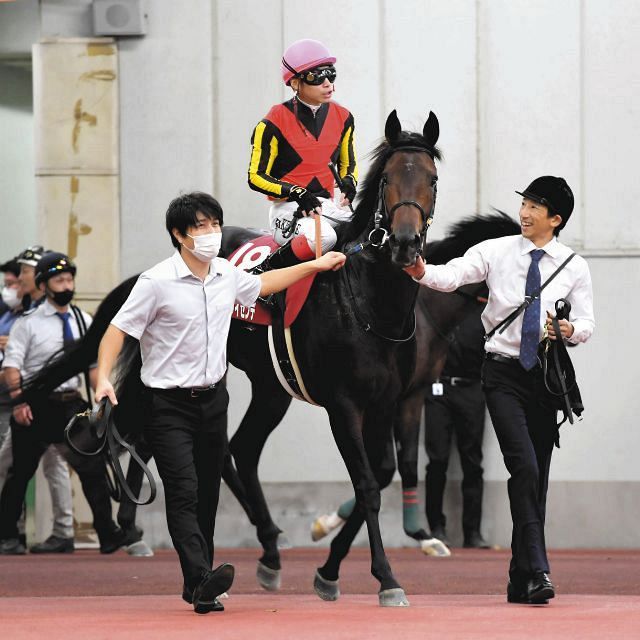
(105, 388)
(348, 190)
(22, 414)
(566, 328)
(307, 202)
(331, 261)
(417, 270)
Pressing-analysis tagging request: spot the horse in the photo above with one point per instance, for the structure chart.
(437, 316)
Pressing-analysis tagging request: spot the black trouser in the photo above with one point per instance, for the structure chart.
(526, 434)
(187, 437)
(28, 445)
(459, 410)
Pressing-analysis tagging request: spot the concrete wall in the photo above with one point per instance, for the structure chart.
(521, 88)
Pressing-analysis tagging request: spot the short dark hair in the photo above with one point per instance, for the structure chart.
(182, 212)
(11, 266)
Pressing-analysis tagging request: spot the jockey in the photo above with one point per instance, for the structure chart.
(291, 148)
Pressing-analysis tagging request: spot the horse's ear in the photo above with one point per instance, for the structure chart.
(431, 130)
(392, 128)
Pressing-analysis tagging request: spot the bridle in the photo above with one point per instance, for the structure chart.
(379, 235)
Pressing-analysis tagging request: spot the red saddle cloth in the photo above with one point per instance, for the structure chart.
(250, 255)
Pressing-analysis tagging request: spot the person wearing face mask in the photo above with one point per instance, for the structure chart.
(291, 148)
(54, 466)
(34, 338)
(180, 311)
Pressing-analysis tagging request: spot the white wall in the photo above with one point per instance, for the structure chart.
(521, 88)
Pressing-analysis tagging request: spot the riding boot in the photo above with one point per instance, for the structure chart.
(283, 256)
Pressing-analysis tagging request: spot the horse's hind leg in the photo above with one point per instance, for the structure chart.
(407, 436)
(269, 403)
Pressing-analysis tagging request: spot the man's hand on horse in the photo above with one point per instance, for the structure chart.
(417, 270)
(330, 261)
(566, 328)
(105, 388)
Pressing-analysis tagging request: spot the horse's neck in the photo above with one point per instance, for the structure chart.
(382, 291)
(444, 310)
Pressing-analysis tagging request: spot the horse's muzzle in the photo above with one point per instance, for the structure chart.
(405, 248)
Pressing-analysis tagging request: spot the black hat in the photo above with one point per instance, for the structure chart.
(31, 255)
(51, 264)
(552, 192)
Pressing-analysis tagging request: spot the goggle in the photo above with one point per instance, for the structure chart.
(317, 76)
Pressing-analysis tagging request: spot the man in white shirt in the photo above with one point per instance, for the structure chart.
(514, 267)
(36, 337)
(180, 311)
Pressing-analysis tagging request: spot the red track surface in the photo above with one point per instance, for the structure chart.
(459, 597)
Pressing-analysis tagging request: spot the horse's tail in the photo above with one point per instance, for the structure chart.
(83, 353)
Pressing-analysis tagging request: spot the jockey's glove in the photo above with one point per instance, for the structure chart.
(306, 200)
(349, 187)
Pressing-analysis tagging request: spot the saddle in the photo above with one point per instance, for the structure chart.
(248, 256)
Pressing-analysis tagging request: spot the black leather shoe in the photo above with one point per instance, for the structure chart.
(538, 590)
(53, 544)
(12, 547)
(205, 595)
(187, 596)
(474, 540)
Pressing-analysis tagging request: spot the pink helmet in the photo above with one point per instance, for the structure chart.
(303, 55)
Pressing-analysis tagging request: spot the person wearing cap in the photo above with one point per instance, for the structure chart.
(514, 267)
(54, 466)
(180, 311)
(291, 148)
(28, 260)
(35, 337)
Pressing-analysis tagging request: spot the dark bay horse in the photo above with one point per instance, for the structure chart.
(355, 346)
(437, 315)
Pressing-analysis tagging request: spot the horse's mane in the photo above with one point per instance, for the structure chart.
(468, 232)
(368, 191)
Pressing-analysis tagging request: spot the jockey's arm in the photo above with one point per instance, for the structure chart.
(279, 279)
(108, 352)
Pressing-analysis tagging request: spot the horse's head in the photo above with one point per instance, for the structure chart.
(408, 187)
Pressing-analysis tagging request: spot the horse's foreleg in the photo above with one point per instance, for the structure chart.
(347, 427)
(268, 405)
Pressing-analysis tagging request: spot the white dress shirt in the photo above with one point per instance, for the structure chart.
(504, 263)
(35, 337)
(183, 323)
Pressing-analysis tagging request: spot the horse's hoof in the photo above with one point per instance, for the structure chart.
(283, 542)
(393, 598)
(327, 589)
(268, 579)
(434, 547)
(323, 525)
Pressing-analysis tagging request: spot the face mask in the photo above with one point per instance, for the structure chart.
(62, 298)
(205, 247)
(10, 297)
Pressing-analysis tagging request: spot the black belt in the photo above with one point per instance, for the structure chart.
(188, 392)
(456, 381)
(64, 396)
(498, 357)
